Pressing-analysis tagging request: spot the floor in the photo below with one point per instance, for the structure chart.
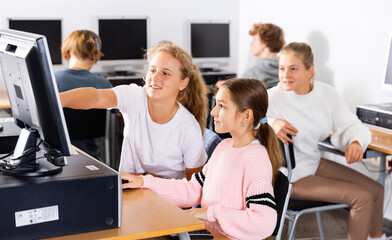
(334, 226)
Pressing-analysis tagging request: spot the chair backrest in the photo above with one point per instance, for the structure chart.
(282, 191)
(85, 124)
(211, 140)
(288, 155)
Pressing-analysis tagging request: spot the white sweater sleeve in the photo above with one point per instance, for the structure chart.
(347, 128)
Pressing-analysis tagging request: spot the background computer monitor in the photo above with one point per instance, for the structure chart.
(32, 90)
(210, 43)
(50, 28)
(387, 83)
(124, 41)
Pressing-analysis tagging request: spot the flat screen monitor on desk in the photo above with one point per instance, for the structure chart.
(50, 28)
(124, 41)
(210, 45)
(35, 104)
(387, 83)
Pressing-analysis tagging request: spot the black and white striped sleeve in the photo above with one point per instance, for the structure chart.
(200, 177)
(261, 199)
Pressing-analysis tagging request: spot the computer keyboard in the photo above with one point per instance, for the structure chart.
(201, 234)
(121, 73)
(207, 69)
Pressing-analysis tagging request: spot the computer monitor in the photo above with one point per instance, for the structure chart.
(50, 28)
(124, 41)
(210, 44)
(387, 83)
(35, 104)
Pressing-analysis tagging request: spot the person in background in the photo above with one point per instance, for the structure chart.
(164, 120)
(235, 187)
(267, 41)
(309, 111)
(81, 49)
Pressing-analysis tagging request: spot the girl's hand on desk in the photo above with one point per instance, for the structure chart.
(354, 152)
(282, 128)
(133, 181)
(200, 213)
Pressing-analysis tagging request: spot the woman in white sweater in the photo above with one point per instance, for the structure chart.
(310, 111)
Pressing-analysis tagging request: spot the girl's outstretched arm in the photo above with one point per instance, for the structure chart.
(89, 97)
(190, 171)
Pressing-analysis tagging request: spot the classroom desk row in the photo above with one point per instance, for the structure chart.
(145, 215)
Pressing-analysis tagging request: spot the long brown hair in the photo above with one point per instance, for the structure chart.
(193, 97)
(252, 94)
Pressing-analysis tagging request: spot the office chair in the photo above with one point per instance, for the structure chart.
(297, 208)
(86, 124)
(282, 190)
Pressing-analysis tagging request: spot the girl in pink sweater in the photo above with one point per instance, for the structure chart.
(235, 188)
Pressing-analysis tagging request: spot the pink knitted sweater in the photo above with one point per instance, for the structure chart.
(235, 185)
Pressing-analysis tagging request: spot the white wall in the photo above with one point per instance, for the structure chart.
(349, 39)
(168, 19)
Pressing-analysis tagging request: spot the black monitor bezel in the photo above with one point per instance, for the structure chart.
(54, 43)
(141, 49)
(196, 54)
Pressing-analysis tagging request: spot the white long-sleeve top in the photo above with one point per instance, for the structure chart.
(315, 115)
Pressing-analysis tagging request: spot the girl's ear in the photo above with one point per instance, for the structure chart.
(247, 116)
(310, 72)
(184, 83)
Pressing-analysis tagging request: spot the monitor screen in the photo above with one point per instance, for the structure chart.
(123, 39)
(51, 29)
(210, 40)
(35, 102)
(387, 83)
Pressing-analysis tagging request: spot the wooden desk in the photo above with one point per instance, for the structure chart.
(381, 139)
(145, 215)
(4, 102)
(380, 146)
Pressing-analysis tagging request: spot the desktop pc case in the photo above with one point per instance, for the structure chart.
(86, 196)
(379, 115)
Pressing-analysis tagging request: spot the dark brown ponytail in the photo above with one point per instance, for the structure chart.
(252, 94)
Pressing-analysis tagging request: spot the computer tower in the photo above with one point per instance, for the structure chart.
(379, 115)
(85, 196)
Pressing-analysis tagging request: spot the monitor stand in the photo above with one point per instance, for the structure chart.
(40, 168)
(24, 163)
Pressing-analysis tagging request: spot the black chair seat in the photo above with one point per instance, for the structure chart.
(298, 205)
